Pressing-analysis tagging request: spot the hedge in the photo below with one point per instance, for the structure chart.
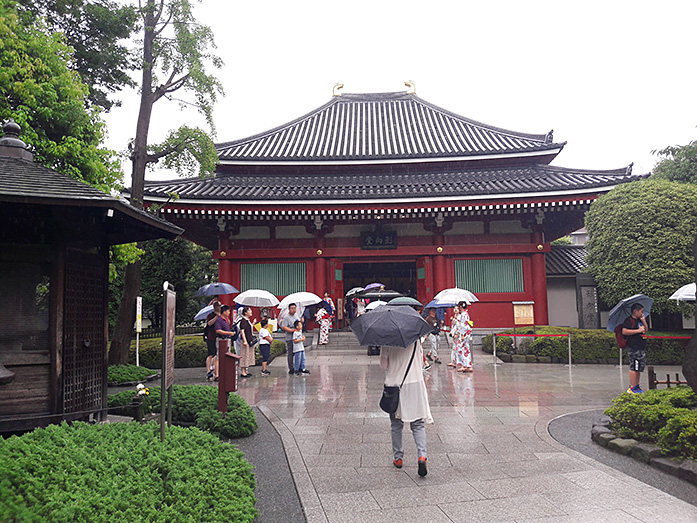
(587, 346)
(117, 374)
(189, 351)
(123, 472)
(666, 417)
(189, 402)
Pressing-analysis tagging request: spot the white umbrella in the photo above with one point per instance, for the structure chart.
(256, 298)
(301, 298)
(374, 305)
(353, 291)
(455, 295)
(685, 293)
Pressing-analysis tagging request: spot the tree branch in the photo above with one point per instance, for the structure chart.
(170, 86)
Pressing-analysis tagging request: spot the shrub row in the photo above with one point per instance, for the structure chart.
(586, 346)
(194, 404)
(665, 417)
(123, 472)
(189, 351)
(117, 374)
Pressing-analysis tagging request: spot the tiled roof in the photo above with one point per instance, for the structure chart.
(394, 185)
(381, 127)
(25, 182)
(564, 260)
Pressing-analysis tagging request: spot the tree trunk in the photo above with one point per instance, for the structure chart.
(123, 331)
(689, 362)
(120, 345)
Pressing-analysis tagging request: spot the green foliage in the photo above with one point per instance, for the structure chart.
(564, 240)
(123, 472)
(189, 351)
(659, 416)
(640, 241)
(677, 163)
(96, 31)
(194, 403)
(47, 99)
(188, 150)
(238, 422)
(120, 256)
(586, 345)
(128, 373)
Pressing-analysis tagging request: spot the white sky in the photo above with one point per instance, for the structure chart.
(614, 79)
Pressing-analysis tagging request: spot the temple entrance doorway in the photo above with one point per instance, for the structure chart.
(397, 276)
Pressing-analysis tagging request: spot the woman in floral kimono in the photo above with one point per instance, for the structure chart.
(324, 320)
(455, 335)
(464, 356)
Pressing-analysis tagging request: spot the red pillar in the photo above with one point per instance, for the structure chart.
(539, 282)
(440, 276)
(226, 272)
(320, 279)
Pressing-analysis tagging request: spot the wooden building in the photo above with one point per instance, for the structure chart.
(388, 187)
(55, 234)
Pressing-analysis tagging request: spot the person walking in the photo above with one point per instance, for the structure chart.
(324, 321)
(434, 336)
(247, 345)
(288, 326)
(455, 335)
(635, 328)
(403, 365)
(222, 326)
(464, 354)
(211, 341)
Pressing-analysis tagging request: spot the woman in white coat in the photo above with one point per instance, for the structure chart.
(413, 399)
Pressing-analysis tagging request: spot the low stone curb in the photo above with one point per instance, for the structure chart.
(603, 435)
(531, 358)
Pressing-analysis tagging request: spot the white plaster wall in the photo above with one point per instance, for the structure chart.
(466, 228)
(507, 227)
(292, 232)
(561, 302)
(253, 233)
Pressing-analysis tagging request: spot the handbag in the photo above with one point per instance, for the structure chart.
(390, 393)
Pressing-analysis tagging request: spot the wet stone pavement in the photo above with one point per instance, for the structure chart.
(490, 456)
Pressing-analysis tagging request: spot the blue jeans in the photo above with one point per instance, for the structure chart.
(299, 360)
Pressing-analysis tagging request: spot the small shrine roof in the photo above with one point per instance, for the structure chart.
(437, 184)
(382, 128)
(24, 182)
(565, 260)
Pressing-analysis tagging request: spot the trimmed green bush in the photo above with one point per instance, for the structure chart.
(664, 416)
(587, 345)
(189, 351)
(238, 422)
(188, 402)
(123, 472)
(128, 373)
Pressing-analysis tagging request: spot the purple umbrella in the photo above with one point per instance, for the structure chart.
(373, 286)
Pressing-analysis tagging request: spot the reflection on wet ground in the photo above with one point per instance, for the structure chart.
(490, 455)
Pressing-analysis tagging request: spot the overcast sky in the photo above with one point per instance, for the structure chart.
(614, 79)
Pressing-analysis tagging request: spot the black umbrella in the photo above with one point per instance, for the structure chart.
(391, 326)
(375, 294)
(216, 289)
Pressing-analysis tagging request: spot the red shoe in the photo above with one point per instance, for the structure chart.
(422, 467)
(397, 463)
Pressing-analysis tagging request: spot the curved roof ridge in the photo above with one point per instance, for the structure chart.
(379, 127)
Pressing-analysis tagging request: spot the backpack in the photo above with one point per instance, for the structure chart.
(621, 338)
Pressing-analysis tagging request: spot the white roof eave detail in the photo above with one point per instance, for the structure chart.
(401, 201)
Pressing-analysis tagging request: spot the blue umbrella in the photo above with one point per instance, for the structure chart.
(623, 309)
(216, 289)
(203, 313)
(437, 304)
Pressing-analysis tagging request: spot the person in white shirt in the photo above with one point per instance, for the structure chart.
(265, 340)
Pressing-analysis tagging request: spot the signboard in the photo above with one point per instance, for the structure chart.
(378, 240)
(139, 314)
(170, 328)
(523, 313)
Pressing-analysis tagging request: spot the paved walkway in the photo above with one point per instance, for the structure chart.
(491, 457)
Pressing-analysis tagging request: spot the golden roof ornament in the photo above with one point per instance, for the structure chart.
(412, 87)
(335, 90)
